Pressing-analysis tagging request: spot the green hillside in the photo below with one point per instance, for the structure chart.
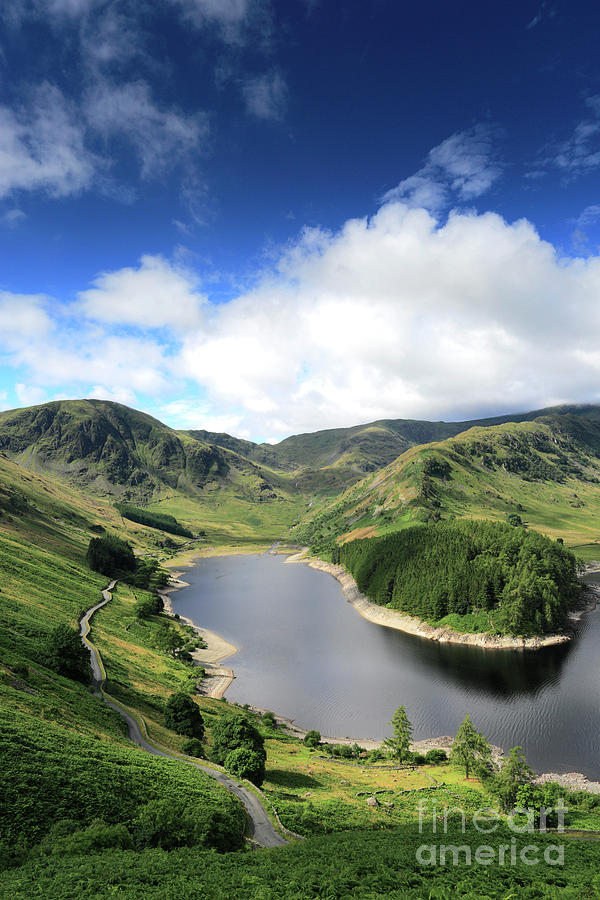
(91, 815)
(547, 471)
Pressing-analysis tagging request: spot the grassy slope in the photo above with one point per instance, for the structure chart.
(44, 530)
(337, 866)
(479, 485)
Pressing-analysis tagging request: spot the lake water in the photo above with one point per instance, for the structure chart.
(305, 653)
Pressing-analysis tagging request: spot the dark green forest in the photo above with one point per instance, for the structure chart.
(523, 581)
(162, 521)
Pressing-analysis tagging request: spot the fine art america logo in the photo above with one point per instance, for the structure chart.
(434, 821)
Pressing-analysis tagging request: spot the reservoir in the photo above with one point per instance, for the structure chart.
(305, 653)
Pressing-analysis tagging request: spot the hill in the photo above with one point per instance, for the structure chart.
(88, 813)
(333, 481)
(545, 470)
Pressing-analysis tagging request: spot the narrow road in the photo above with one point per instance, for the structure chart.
(262, 830)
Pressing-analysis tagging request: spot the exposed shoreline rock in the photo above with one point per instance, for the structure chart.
(392, 618)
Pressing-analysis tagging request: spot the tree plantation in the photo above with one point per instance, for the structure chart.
(518, 581)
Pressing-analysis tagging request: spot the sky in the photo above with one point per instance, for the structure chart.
(267, 217)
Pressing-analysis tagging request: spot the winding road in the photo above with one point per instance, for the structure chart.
(262, 830)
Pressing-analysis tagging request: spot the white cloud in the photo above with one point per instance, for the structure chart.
(393, 316)
(462, 167)
(266, 96)
(223, 11)
(12, 218)
(580, 154)
(159, 137)
(23, 318)
(397, 316)
(42, 147)
(30, 395)
(153, 295)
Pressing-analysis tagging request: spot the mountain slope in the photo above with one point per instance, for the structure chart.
(235, 489)
(546, 470)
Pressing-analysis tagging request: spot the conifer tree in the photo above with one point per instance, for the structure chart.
(470, 748)
(399, 743)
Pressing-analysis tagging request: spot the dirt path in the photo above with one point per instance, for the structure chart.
(262, 830)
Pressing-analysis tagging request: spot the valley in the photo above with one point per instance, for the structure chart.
(73, 778)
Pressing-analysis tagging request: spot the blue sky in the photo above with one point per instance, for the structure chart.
(271, 217)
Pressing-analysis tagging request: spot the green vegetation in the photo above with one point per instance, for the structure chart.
(86, 814)
(523, 581)
(153, 519)
(52, 774)
(544, 469)
(358, 864)
(470, 749)
(110, 555)
(183, 716)
(238, 745)
(66, 654)
(399, 743)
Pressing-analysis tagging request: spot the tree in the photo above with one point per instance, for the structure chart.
(269, 719)
(167, 639)
(312, 738)
(470, 748)
(513, 774)
(246, 763)
(66, 654)
(148, 606)
(109, 555)
(399, 743)
(231, 732)
(183, 716)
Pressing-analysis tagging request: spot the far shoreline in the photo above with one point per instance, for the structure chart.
(393, 618)
(218, 648)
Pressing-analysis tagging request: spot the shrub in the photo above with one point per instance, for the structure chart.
(148, 606)
(433, 757)
(312, 738)
(177, 822)
(268, 720)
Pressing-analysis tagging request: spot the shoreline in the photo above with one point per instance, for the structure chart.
(392, 618)
(218, 677)
(218, 648)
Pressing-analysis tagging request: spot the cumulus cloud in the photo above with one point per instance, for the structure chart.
(397, 316)
(462, 167)
(42, 146)
(391, 316)
(153, 295)
(23, 318)
(158, 136)
(266, 96)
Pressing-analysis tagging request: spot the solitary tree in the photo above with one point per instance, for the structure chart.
(246, 763)
(183, 716)
(312, 738)
(470, 748)
(399, 743)
(231, 732)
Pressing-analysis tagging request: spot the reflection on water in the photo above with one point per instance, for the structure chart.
(305, 653)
